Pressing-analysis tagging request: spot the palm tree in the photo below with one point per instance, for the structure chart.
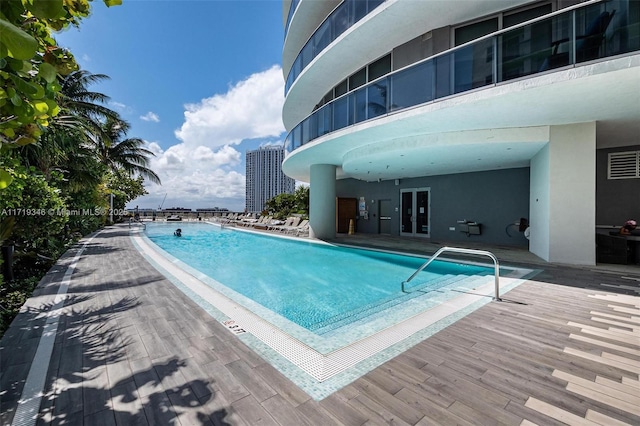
(86, 132)
(64, 152)
(81, 106)
(65, 144)
(116, 152)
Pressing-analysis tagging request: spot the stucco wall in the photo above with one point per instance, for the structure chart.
(616, 200)
(495, 199)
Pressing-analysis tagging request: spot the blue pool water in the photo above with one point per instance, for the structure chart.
(313, 285)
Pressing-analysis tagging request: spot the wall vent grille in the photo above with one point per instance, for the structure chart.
(624, 165)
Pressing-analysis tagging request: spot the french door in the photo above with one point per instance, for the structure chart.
(415, 212)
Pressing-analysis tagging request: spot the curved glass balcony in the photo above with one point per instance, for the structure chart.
(340, 20)
(561, 39)
(292, 8)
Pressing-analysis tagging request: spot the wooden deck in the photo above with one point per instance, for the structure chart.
(130, 348)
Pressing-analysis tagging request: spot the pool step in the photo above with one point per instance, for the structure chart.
(424, 290)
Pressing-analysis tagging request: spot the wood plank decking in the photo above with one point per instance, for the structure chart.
(130, 348)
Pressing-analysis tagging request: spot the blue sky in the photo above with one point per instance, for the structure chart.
(199, 80)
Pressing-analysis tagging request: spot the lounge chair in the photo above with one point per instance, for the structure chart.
(275, 224)
(229, 220)
(294, 227)
(293, 222)
(247, 220)
(262, 223)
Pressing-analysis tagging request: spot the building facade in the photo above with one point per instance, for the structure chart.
(470, 122)
(265, 178)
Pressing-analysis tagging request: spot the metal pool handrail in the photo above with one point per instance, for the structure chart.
(496, 265)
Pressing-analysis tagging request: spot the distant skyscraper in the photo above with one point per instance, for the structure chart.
(265, 179)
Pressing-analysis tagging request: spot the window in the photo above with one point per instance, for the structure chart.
(341, 88)
(624, 165)
(380, 67)
(358, 79)
(525, 15)
(475, 30)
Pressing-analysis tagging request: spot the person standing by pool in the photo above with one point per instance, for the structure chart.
(628, 227)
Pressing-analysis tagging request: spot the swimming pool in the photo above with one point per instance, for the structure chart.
(317, 286)
(321, 314)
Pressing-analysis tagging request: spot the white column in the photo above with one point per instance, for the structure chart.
(322, 201)
(563, 196)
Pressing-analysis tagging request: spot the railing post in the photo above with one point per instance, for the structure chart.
(496, 263)
(496, 274)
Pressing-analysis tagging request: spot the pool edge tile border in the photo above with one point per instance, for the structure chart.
(318, 374)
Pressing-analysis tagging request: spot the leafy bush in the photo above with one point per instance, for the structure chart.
(12, 296)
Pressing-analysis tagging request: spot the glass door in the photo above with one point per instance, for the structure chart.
(415, 209)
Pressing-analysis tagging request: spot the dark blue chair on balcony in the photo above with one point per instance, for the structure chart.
(587, 45)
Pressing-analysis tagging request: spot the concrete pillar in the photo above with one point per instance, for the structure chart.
(563, 196)
(322, 201)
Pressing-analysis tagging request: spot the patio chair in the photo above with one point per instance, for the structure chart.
(302, 228)
(274, 226)
(292, 227)
(262, 223)
(587, 46)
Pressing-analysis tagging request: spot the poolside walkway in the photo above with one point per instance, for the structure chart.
(116, 343)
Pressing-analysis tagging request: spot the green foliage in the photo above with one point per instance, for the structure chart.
(119, 153)
(38, 211)
(92, 204)
(59, 181)
(124, 188)
(30, 61)
(284, 205)
(12, 296)
(302, 200)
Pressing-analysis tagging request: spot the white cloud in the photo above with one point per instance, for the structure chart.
(86, 58)
(197, 177)
(250, 109)
(150, 116)
(119, 106)
(202, 170)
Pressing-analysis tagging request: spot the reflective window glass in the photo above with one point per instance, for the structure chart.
(592, 24)
(340, 19)
(297, 140)
(380, 67)
(322, 37)
(359, 9)
(473, 66)
(475, 30)
(358, 79)
(516, 18)
(412, 86)
(341, 88)
(377, 98)
(358, 106)
(340, 113)
(324, 119)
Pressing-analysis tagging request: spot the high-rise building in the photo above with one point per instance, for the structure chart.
(460, 121)
(265, 178)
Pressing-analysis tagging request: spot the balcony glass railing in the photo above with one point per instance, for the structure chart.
(340, 20)
(292, 8)
(561, 39)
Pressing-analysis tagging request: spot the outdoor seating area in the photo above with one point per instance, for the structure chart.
(294, 225)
